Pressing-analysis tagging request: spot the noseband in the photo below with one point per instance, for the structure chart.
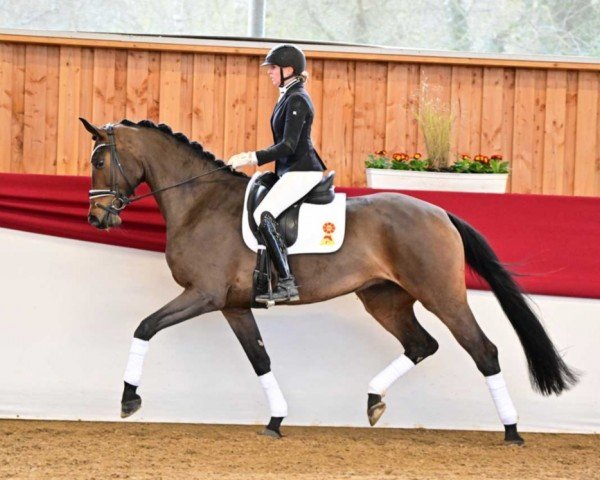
(120, 199)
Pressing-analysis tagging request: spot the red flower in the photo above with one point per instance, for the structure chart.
(399, 156)
(416, 156)
(381, 153)
(496, 157)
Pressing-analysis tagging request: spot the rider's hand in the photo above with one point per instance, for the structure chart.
(242, 159)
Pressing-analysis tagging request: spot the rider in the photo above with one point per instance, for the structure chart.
(296, 161)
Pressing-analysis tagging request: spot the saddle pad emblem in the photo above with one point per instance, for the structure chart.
(328, 228)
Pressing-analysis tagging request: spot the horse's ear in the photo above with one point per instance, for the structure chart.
(91, 128)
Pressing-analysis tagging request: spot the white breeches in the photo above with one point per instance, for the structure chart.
(290, 187)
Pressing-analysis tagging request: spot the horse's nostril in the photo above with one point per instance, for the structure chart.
(93, 220)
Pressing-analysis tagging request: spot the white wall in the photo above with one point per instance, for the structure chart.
(68, 310)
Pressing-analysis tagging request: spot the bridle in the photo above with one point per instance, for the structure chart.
(122, 199)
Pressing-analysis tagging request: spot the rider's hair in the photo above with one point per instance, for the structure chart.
(303, 77)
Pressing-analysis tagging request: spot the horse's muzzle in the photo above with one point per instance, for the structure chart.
(106, 221)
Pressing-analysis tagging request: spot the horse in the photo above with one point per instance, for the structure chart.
(420, 255)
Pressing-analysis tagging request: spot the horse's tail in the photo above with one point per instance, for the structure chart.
(547, 370)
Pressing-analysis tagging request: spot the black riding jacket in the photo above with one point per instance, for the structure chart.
(291, 122)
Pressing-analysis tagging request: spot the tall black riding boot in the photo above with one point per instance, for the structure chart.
(286, 289)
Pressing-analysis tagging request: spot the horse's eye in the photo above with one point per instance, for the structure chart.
(99, 163)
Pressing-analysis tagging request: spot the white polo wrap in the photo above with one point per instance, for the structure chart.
(277, 403)
(390, 374)
(137, 353)
(504, 405)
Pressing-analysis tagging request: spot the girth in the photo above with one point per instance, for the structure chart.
(321, 194)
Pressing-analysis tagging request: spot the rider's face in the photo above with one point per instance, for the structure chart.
(274, 73)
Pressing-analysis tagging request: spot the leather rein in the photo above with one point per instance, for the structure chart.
(121, 199)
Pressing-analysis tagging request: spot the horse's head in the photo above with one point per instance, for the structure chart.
(116, 171)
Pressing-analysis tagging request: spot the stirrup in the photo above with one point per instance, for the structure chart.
(286, 292)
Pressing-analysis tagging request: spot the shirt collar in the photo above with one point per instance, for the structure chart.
(283, 90)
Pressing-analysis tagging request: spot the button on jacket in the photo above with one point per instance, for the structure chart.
(291, 123)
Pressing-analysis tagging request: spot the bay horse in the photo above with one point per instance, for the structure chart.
(419, 255)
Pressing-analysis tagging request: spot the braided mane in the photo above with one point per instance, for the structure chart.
(196, 147)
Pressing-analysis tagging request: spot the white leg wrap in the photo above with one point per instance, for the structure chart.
(277, 403)
(390, 374)
(504, 405)
(133, 372)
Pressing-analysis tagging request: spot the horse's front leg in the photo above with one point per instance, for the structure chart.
(190, 303)
(244, 326)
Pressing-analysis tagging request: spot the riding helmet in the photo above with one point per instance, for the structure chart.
(286, 56)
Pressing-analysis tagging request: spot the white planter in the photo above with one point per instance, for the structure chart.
(440, 181)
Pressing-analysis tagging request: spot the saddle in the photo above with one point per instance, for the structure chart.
(321, 194)
(313, 224)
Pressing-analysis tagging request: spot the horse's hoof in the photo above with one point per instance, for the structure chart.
(375, 412)
(511, 436)
(516, 442)
(130, 407)
(267, 432)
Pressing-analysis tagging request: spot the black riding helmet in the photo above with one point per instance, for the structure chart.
(286, 56)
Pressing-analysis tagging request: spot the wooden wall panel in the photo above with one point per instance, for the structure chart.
(18, 109)
(187, 83)
(203, 99)
(170, 90)
(252, 73)
(554, 132)
(34, 115)
(6, 89)
(397, 109)
(85, 143)
(338, 113)
(369, 115)
(120, 104)
(103, 90)
(539, 133)
(315, 89)
(235, 105)
(587, 145)
(544, 120)
(491, 111)
(461, 100)
(154, 86)
(52, 87)
(523, 140)
(68, 110)
(137, 85)
(508, 116)
(568, 180)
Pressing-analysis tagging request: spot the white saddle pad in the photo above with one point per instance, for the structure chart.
(321, 228)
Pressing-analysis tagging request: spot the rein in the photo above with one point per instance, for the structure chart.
(121, 200)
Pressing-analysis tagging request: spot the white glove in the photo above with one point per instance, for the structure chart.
(242, 159)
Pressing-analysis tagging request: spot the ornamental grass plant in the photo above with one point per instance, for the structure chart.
(435, 121)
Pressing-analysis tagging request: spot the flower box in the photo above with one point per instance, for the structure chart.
(440, 181)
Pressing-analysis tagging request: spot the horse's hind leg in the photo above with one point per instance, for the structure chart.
(455, 313)
(392, 307)
(187, 305)
(244, 326)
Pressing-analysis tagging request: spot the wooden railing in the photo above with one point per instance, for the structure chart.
(542, 116)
